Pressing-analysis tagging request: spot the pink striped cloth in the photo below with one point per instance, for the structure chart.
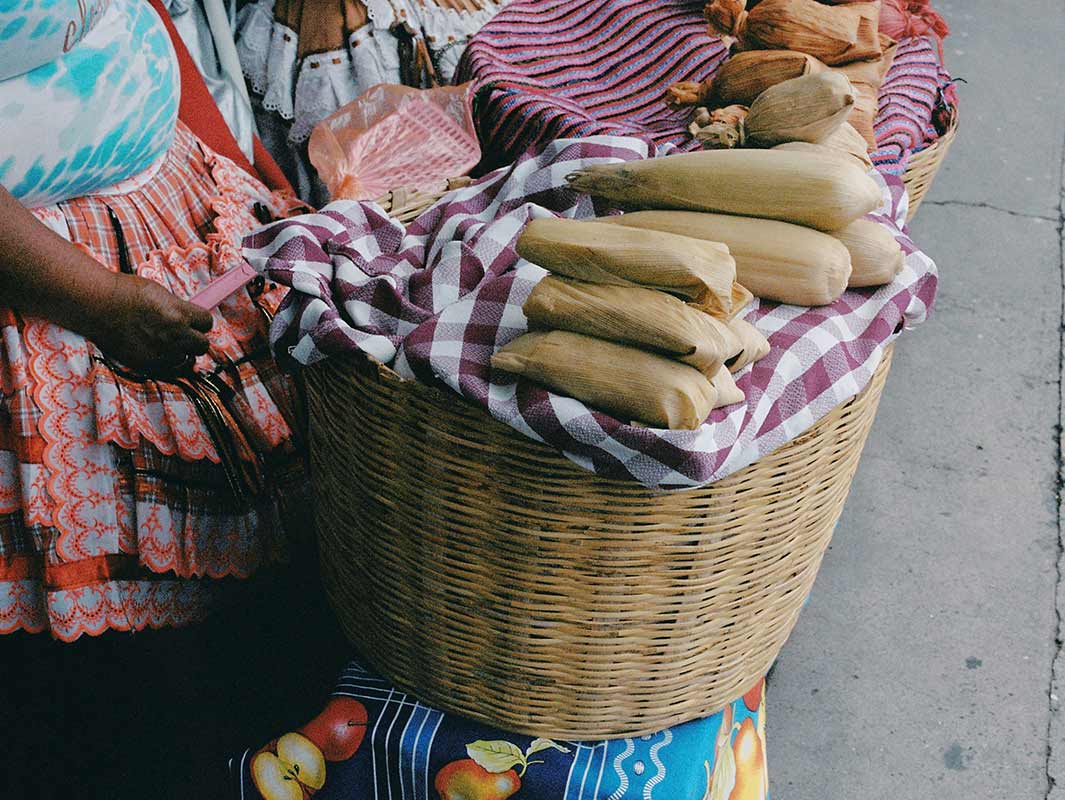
(437, 299)
(548, 69)
(915, 88)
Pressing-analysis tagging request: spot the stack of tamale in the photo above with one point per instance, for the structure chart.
(639, 323)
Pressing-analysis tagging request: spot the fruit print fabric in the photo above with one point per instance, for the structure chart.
(401, 749)
(90, 117)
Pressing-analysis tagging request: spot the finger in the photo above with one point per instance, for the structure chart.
(199, 318)
(193, 343)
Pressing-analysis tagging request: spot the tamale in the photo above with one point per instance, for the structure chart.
(834, 34)
(867, 77)
(629, 383)
(821, 191)
(806, 109)
(845, 140)
(863, 114)
(636, 316)
(743, 77)
(876, 256)
(755, 345)
(775, 260)
(728, 393)
(696, 270)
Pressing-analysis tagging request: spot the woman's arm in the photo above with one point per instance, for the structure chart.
(136, 321)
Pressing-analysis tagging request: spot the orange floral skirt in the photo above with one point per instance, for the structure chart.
(122, 500)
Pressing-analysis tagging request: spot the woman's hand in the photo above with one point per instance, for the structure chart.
(149, 329)
(134, 321)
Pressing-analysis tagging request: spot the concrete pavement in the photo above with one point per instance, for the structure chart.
(923, 665)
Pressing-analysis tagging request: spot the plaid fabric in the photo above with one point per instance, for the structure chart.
(440, 298)
(549, 69)
(117, 494)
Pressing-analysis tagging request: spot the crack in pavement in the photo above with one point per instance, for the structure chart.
(1058, 659)
(1000, 209)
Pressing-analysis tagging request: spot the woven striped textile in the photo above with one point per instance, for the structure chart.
(916, 86)
(551, 69)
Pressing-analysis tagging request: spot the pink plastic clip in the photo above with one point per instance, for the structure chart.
(224, 286)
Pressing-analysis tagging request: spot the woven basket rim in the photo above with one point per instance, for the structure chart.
(925, 164)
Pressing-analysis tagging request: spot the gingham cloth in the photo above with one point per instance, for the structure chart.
(437, 300)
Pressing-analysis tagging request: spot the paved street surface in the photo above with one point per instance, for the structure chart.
(923, 666)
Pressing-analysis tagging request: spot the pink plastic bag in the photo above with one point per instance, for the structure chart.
(395, 136)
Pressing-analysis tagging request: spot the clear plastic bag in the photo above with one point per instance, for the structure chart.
(395, 136)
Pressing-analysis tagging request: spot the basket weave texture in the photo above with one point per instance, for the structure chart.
(491, 577)
(924, 166)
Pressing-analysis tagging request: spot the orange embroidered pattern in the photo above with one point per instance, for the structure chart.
(94, 463)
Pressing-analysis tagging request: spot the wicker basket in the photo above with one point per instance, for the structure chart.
(489, 576)
(925, 164)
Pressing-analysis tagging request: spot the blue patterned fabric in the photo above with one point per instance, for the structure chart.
(404, 750)
(91, 116)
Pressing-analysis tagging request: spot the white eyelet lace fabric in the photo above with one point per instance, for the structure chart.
(303, 92)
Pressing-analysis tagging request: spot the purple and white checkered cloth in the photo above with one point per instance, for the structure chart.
(435, 301)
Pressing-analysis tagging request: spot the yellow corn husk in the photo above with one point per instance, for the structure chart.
(629, 315)
(627, 382)
(876, 257)
(863, 113)
(834, 34)
(721, 129)
(687, 93)
(746, 75)
(819, 191)
(728, 392)
(697, 270)
(775, 260)
(873, 71)
(741, 298)
(804, 109)
(845, 141)
(755, 345)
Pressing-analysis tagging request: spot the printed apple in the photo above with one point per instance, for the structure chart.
(721, 780)
(750, 764)
(339, 729)
(468, 780)
(297, 766)
(753, 698)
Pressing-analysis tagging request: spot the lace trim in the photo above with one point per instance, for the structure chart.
(304, 93)
(95, 609)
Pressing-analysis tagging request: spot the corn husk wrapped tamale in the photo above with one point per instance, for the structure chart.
(867, 77)
(872, 71)
(636, 316)
(699, 271)
(755, 345)
(876, 256)
(741, 298)
(743, 77)
(863, 114)
(728, 392)
(775, 260)
(844, 141)
(834, 34)
(806, 109)
(821, 191)
(629, 383)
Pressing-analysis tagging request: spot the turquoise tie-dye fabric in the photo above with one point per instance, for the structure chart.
(101, 108)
